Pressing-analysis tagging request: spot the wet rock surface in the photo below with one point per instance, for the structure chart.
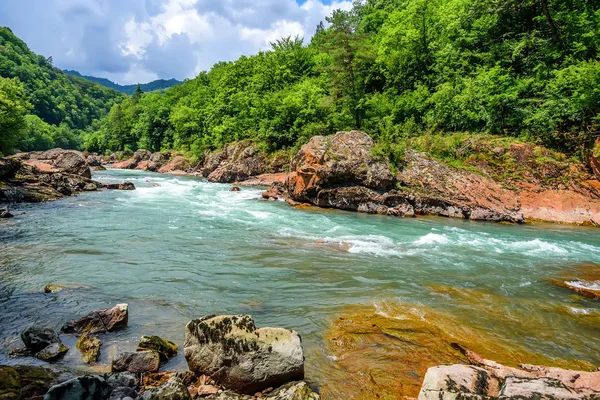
(89, 346)
(85, 387)
(104, 320)
(136, 362)
(44, 343)
(173, 389)
(241, 357)
(165, 348)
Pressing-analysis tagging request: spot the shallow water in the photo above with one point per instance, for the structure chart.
(190, 248)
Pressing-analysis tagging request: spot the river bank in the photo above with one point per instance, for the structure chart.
(343, 171)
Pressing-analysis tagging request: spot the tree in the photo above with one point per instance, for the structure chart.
(13, 107)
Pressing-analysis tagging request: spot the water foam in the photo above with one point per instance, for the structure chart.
(432, 238)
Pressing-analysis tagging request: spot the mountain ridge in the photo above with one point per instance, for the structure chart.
(158, 84)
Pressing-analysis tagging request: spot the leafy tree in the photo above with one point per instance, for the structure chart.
(13, 107)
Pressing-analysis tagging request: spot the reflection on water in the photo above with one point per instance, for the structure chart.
(188, 248)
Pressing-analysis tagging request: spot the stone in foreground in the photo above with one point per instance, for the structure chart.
(173, 389)
(165, 348)
(140, 361)
(85, 387)
(240, 357)
(493, 380)
(105, 320)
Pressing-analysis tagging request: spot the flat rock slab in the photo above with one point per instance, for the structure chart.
(240, 357)
(104, 320)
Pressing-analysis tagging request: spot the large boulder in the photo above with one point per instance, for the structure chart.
(241, 357)
(90, 387)
(58, 160)
(344, 159)
(157, 160)
(136, 362)
(104, 320)
(29, 382)
(132, 162)
(89, 346)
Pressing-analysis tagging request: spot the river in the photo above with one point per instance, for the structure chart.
(178, 248)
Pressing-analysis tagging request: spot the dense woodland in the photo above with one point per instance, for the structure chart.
(397, 69)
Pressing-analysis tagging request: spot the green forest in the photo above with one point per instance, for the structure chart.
(40, 106)
(159, 84)
(396, 69)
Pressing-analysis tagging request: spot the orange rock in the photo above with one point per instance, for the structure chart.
(565, 206)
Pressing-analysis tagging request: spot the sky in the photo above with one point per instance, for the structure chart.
(137, 41)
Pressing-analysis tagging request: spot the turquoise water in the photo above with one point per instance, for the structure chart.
(188, 248)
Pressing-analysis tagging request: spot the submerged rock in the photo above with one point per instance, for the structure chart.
(173, 389)
(240, 357)
(89, 346)
(583, 279)
(119, 186)
(5, 213)
(104, 320)
(234, 189)
(136, 362)
(165, 348)
(52, 352)
(85, 387)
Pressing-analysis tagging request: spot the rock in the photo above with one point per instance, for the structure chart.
(89, 348)
(28, 382)
(240, 357)
(165, 348)
(121, 393)
(158, 160)
(5, 213)
(93, 160)
(140, 361)
(36, 338)
(85, 387)
(264, 180)
(9, 167)
(177, 163)
(131, 163)
(121, 379)
(52, 352)
(234, 189)
(293, 391)
(275, 191)
(342, 159)
(119, 186)
(173, 389)
(59, 287)
(104, 320)
(493, 380)
(237, 162)
(583, 279)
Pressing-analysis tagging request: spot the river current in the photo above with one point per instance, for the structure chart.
(178, 248)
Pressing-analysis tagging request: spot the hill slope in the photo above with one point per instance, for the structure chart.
(159, 84)
(41, 106)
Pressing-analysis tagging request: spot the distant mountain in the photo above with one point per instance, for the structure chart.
(159, 84)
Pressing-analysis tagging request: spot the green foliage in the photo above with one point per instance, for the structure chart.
(13, 107)
(64, 105)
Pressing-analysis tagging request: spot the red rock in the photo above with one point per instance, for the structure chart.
(104, 320)
(178, 163)
(565, 206)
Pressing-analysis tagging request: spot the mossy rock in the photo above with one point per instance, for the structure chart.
(89, 348)
(165, 348)
(25, 382)
(10, 383)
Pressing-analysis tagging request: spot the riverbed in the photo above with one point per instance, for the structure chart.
(178, 248)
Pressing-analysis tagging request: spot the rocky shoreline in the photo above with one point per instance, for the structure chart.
(341, 171)
(229, 358)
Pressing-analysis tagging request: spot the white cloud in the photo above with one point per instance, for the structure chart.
(157, 38)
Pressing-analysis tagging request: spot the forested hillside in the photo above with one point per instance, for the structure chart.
(159, 84)
(40, 106)
(396, 69)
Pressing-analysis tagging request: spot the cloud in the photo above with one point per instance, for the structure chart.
(138, 40)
